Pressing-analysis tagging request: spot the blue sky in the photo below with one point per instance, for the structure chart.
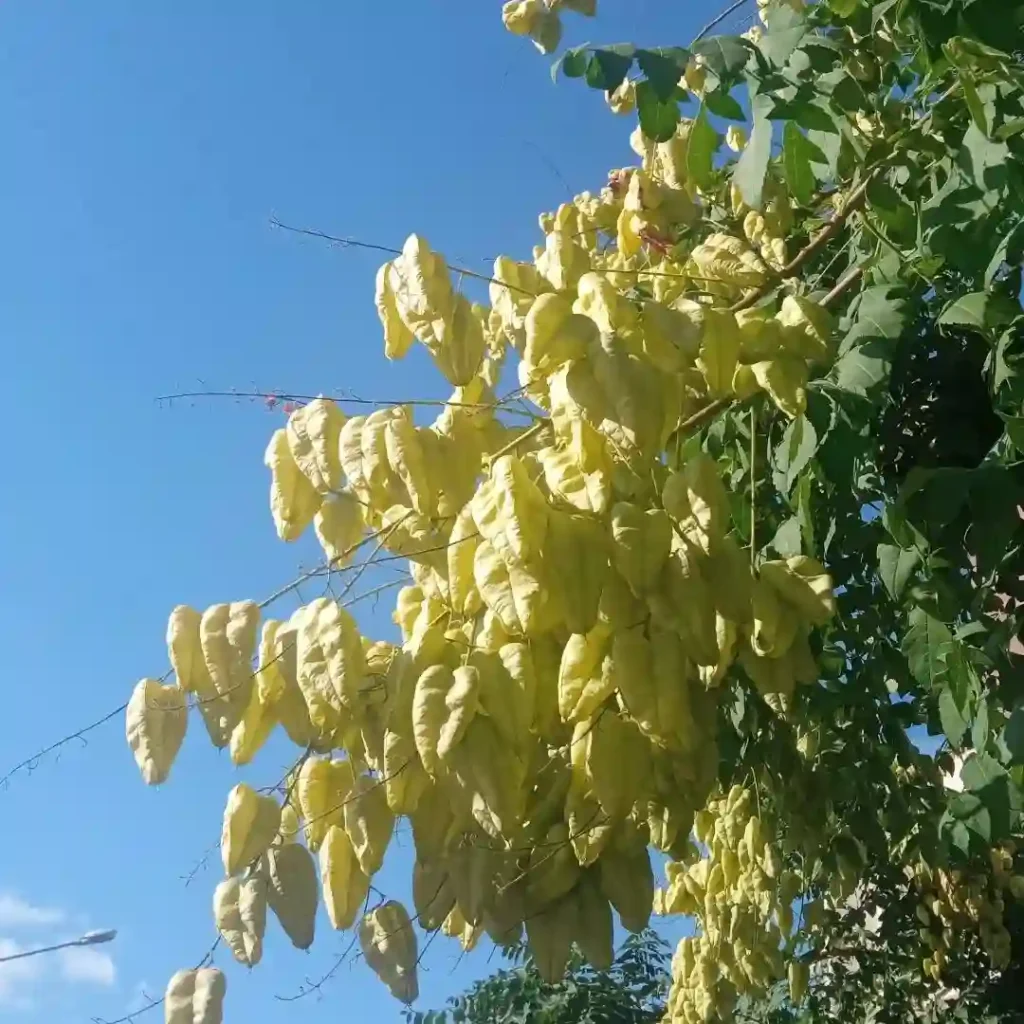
(146, 146)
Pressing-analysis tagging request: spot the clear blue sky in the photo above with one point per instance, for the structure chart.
(146, 145)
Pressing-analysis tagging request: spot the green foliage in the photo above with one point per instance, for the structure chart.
(632, 991)
(905, 475)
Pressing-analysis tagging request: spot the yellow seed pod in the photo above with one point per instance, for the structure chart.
(579, 474)
(555, 334)
(339, 527)
(491, 776)
(388, 942)
(550, 933)
(421, 287)
(719, 350)
(432, 894)
(240, 913)
(155, 723)
(195, 997)
(350, 454)
(227, 633)
(186, 652)
(594, 927)
(491, 576)
(252, 731)
(807, 328)
(313, 432)
(562, 261)
(510, 512)
(802, 583)
(442, 709)
(696, 499)
(406, 455)
(584, 681)
(321, 790)
(775, 622)
(459, 344)
(294, 501)
(641, 544)
(671, 337)
(627, 879)
(785, 379)
(726, 259)
(369, 822)
(462, 545)
(398, 338)
(344, 884)
(250, 825)
(292, 891)
(612, 759)
(577, 567)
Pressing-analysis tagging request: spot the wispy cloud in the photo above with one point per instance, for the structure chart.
(18, 913)
(16, 977)
(23, 982)
(89, 965)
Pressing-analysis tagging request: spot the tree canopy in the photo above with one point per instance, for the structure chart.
(722, 517)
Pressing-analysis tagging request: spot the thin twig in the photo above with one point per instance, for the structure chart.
(718, 19)
(517, 441)
(154, 1003)
(30, 762)
(355, 243)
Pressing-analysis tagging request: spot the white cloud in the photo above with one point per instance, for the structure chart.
(80, 963)
(17, 913)
(16, 976)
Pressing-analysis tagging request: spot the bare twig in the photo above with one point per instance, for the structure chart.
(718, 19)
(356, 244)
(30, 763)
(154, 1003)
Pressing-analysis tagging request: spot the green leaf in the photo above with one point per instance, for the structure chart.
(981, 311)
(701, 146)
(952, 719)
(984, 160)
(1010, 251)
(785, 27)
(725, 56)
(843, 8)
(658, 118)
(752, 165)
(797, 155)
(980, 726)
(788, 538)
(663, 69)
(895, 567)
(1013, 736)
(923, 646)
(724, 105)
(881, 314)
(793, 453)
(572, 63)
(608, 67)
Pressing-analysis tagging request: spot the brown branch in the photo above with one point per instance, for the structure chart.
(843, 286)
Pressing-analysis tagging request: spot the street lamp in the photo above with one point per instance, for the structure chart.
(88, 939)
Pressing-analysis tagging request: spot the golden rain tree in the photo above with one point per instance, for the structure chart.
(761, 520)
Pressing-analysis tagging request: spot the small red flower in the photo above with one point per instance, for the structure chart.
(288, 408)
(270, 401)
